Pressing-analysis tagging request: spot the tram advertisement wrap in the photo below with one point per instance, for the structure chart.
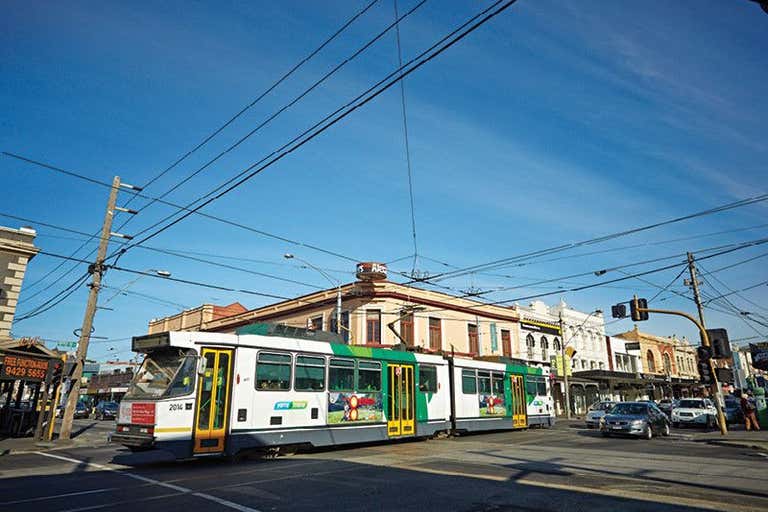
(358, 407)
(492, 405)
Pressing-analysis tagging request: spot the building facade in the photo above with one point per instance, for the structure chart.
(383, 313)
(669, 364)
(17, 248)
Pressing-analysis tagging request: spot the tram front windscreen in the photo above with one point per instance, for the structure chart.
(164, 373)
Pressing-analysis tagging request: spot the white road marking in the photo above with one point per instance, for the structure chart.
(185, 490)
(57, 496)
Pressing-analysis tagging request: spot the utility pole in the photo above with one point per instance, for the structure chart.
(565, 368)
(715, 385)
(97, 270)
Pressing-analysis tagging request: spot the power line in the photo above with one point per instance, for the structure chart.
(206, 139)
(179, 207)
(277, 113)
(407, 144)
(457, 35)
(563, 247)
(169, 278)
(271, 88)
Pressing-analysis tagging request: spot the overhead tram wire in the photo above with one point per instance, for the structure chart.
(53, 301)
(407, 145)
(179, 207)
(447, 42)
(208, 138)
(271, 88)
(171, 278)
(732, 248)
(163, 251)
(738, 294)
(277, 113)
(563, 247)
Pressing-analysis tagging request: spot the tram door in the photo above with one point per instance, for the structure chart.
(400, 408)
(519, 403)
(213, 398)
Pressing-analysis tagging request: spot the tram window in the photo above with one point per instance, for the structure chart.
(273, 372)
(541, 386)
(368, 376)
(310, 374)
(468, 382)
(341, 375)
(530, 385)
(498, 383)
(484, 382)
(428, 379)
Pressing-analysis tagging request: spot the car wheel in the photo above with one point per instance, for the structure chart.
(665, 432)
(648, 434)
(606, 434)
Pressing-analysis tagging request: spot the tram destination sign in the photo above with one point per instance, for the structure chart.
(23, 368)
(142, 343)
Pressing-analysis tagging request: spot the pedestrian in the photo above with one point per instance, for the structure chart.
(748, 410)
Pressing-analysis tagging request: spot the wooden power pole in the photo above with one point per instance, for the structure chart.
(715, 385)
(97, 271)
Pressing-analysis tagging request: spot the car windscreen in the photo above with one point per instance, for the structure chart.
(691, 404)
(109, 405)
(630, 409)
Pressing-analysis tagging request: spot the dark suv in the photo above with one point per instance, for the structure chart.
(106, 411)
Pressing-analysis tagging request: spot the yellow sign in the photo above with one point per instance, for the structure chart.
(557, 366)
(570, 352)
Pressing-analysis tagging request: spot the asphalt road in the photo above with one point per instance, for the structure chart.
(538, 470)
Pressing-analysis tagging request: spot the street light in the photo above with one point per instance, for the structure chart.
(562, 355)
(336, 284)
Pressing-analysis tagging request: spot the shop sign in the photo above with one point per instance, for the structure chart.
(531, 325)
(24, 368)
(635, 345)
(759, 355)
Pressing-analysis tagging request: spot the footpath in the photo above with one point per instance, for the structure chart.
(85, 433)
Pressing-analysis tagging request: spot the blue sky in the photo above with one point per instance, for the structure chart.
(549, 124)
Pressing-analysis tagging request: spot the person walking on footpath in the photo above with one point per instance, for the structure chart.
(748, 409)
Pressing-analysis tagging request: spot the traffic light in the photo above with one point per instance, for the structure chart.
(634, 308)
(721, 346)
(724, 375)
(619, 310)
(704, 353)
(705, 370)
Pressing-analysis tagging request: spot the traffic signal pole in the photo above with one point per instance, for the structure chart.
(97, 270)
(705, 343)
(715, 385)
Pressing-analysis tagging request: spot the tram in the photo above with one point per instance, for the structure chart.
(200, 393)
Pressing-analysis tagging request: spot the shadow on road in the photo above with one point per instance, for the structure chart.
(312, 484)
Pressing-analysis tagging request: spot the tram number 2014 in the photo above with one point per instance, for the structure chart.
(176, 407)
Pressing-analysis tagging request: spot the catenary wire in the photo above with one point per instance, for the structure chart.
(457, 35)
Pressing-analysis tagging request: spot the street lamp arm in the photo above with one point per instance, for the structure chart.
(329, 278)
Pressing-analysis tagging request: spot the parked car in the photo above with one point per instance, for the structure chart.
(640, 419)
(732, 410)
(695, 411)
(81, 411)
(667, 404)
(106, 411)
(596, 411)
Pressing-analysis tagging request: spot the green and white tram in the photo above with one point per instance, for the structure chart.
(200, 393)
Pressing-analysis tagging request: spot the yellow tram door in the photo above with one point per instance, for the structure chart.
(519, 403)
(213, 399)
(400, 418)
